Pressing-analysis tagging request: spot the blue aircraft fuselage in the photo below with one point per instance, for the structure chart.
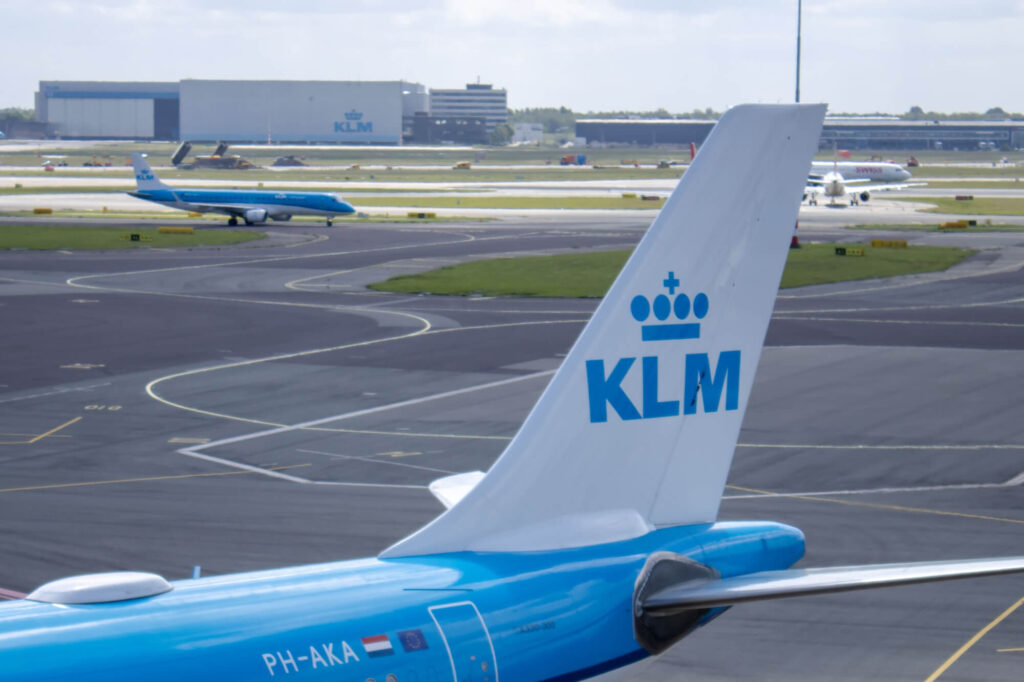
(276, 203)
(564, 615)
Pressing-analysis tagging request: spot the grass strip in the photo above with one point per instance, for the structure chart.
(934, 227)
(977, 206)
(502, 202)
(588, 275)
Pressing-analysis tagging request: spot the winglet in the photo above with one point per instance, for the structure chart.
(637, 428)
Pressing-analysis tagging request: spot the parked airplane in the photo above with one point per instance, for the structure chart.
(879, 171)
(836, 187)
(252, 206)
(591, 544)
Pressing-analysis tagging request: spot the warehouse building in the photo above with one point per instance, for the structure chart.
(347, 112)
(350, 112)
(92, 109)
(648, 132)
(858, 133)
(844, 133)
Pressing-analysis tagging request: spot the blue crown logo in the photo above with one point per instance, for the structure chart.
(662, 307)
(354, 115)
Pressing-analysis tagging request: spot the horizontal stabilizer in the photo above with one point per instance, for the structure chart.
(450, 489)
(710, 593)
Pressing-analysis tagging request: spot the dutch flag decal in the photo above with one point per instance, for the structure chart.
(377, 645)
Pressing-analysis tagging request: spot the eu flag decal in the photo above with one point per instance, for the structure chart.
(412, 640)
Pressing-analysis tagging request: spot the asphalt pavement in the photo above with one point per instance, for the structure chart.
(255, 406)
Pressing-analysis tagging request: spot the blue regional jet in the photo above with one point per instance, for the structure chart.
(252, 206)
(593, 541)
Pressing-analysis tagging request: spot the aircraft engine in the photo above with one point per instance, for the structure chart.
(864, 196)
(255, 215)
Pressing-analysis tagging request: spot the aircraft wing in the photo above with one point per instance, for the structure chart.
(710, 593)
(10, 594)
(227, 209)
(890, 187)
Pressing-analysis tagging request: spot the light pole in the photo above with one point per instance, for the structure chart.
(799, 8)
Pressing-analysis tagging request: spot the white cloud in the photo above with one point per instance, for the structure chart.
(871, 55)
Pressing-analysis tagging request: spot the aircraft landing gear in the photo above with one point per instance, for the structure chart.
(329, 222)
(232, 221)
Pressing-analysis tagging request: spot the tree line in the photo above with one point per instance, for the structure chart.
(563, 119)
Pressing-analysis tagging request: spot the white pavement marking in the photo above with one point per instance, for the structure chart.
(950, 323)
(427, 330)
(195, 451)
(862, 446)
(371, 460)
(871, 491)
(59, 391)
(76, 281)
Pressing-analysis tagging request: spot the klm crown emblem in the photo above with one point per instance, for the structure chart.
(353, 115)
(663, 307)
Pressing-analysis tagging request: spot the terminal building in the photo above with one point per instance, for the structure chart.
(477, 100)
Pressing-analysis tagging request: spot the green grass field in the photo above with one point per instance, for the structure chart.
(478, 173)
(588, 275)
(977, 206)
(503, 202)
(460, 201)
(49, 237)
(934, 227)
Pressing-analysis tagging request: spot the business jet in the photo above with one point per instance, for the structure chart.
(251, 206)
(591, 544)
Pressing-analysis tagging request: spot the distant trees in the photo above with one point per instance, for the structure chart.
(17, 114)
(501, 135)
(916, 113)
(563, 119)
(554, 120)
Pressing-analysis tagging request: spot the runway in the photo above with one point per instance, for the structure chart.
(249, 407)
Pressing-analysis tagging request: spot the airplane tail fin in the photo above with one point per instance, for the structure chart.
(145, 178)
(637, 428)
(693, 151)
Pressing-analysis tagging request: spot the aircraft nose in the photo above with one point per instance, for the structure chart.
(904, 174)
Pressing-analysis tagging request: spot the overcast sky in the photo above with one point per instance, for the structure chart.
(589, 55)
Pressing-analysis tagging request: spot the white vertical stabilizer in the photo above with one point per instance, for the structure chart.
(145, 178)
(637, 428)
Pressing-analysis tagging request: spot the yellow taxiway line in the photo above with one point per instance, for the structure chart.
(54, 430)
(972, 641)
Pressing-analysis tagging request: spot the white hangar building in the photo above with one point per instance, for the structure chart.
(353, 112)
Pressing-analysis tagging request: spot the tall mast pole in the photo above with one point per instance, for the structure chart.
(799, 11)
